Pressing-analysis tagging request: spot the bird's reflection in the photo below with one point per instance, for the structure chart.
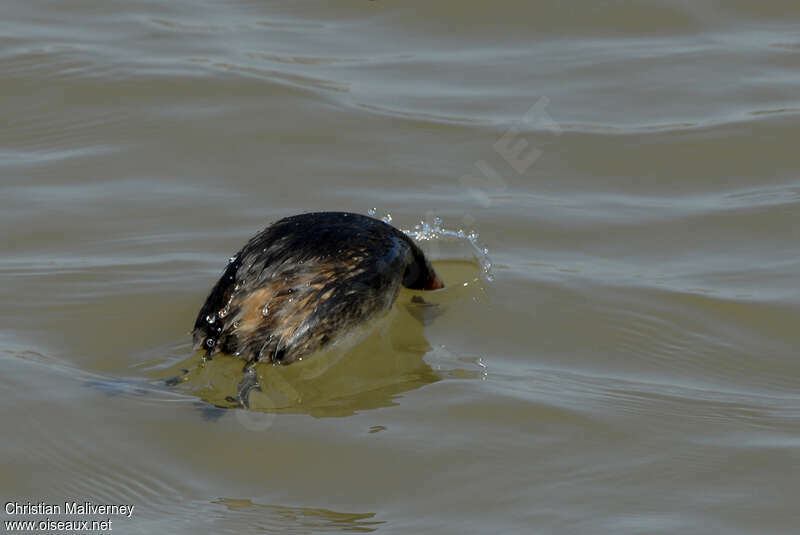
(365, 371)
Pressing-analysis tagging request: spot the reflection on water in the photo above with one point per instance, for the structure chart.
(387, 362)
(301, 519)
(366, 370)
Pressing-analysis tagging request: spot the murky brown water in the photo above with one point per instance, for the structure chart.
(632, 168)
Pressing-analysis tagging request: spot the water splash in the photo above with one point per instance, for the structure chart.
(434, 230)
(430, 231)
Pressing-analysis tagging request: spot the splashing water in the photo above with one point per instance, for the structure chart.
(431, 231)
(425, 231)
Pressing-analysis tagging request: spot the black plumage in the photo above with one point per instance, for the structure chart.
(305, 280)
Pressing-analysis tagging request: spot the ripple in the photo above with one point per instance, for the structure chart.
(420, 116)
(188, 27)
(31, 158)
(295, 60)
(285, 78)
(300, 519)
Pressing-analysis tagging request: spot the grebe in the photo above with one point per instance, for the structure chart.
(304, 281)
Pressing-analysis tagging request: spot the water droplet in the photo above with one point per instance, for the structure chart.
(210, 318)
(433, 231)
(387, 219)
(232, 259)
(224, 312)
(210, 342)
(265, 311)
(236, 287)
(371, 211)
(236, 324)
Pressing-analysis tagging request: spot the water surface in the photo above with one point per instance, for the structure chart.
(632, 170)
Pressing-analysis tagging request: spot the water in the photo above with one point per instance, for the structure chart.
(632, 169)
